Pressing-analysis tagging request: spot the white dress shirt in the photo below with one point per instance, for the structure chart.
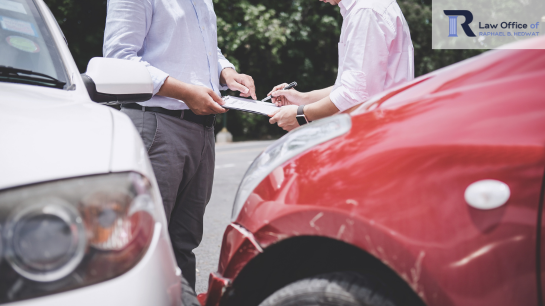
(375, 51)
(175, 38)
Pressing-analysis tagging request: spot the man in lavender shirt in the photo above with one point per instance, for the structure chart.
(177, 41)
(375, 53)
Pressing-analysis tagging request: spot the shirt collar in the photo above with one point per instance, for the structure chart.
(346, 5)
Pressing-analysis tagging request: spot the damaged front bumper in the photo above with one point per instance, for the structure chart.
(238, 248)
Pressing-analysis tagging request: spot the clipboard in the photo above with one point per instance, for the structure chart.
(248, 105)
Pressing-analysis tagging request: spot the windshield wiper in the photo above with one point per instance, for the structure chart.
(16, 75)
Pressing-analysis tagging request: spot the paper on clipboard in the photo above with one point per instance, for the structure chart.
(247, 105)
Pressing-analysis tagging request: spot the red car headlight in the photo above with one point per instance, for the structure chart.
(289, 146)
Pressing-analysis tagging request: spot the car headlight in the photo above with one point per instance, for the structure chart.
(46, 239)
(292, 144)
(67, 234)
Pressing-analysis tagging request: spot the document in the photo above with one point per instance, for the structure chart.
(248, 105)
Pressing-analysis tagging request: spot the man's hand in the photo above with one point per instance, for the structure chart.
(238, 82)
(201, 100)
(285, 117)
(281, 97)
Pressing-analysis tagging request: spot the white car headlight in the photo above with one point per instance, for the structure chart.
(292, 144)
(62, 235)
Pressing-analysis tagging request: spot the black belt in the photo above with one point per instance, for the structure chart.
(186, 114)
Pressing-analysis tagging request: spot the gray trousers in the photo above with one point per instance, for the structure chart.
(182, 156)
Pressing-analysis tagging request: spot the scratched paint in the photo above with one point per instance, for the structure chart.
(415, 275)
(313, 221)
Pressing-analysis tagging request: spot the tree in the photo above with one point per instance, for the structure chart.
(82, 23)
(273, 41)
(418, 16)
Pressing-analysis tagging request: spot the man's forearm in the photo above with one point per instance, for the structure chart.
(320, 109)
(224, 73)
(317, 95)
(173, 88)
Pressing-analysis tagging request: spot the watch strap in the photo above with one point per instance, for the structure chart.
(301, 119)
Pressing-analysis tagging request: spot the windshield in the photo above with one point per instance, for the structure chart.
(26, 44)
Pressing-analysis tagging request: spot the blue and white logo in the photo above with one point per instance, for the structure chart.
(453, 22)
(486, 24)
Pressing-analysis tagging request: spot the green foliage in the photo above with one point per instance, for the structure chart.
(273, 41)
(83, 25)
(418, 15)
(276, 42)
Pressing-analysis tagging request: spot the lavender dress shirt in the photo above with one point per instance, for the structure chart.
(175, 38)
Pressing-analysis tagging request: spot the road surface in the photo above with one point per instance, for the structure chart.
(232, 160)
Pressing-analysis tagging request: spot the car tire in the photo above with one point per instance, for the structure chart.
(333, 289)
(189, 297)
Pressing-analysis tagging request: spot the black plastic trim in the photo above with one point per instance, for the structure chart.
(103, 98)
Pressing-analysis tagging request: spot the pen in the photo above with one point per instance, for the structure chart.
(289, 86)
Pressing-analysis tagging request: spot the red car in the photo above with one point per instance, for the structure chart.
(430, 194)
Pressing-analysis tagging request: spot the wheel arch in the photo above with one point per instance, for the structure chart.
(301, 257)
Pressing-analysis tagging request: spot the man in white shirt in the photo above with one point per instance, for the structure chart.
(375, 53)
(177, 41)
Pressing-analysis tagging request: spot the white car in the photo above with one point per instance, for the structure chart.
(81, 217)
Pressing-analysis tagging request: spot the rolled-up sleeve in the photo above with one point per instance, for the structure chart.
(363, 69)
(127, 25)
(222, 64)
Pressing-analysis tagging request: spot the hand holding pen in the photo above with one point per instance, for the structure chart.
(282, 86)
(281, 95)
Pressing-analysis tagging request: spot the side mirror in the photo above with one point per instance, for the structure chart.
(117, 80)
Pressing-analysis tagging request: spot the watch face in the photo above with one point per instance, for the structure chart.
(301, 120)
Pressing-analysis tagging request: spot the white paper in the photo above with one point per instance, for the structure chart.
(251, 106)
(12, 6)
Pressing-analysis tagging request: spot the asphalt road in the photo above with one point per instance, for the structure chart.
(232, 160)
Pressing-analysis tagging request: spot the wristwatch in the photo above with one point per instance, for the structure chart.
(301, 115)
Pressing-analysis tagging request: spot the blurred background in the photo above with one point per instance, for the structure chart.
(273, 41)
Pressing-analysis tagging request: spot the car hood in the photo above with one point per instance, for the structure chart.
(48, 134)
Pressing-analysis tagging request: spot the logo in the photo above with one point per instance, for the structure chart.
(453, 22)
